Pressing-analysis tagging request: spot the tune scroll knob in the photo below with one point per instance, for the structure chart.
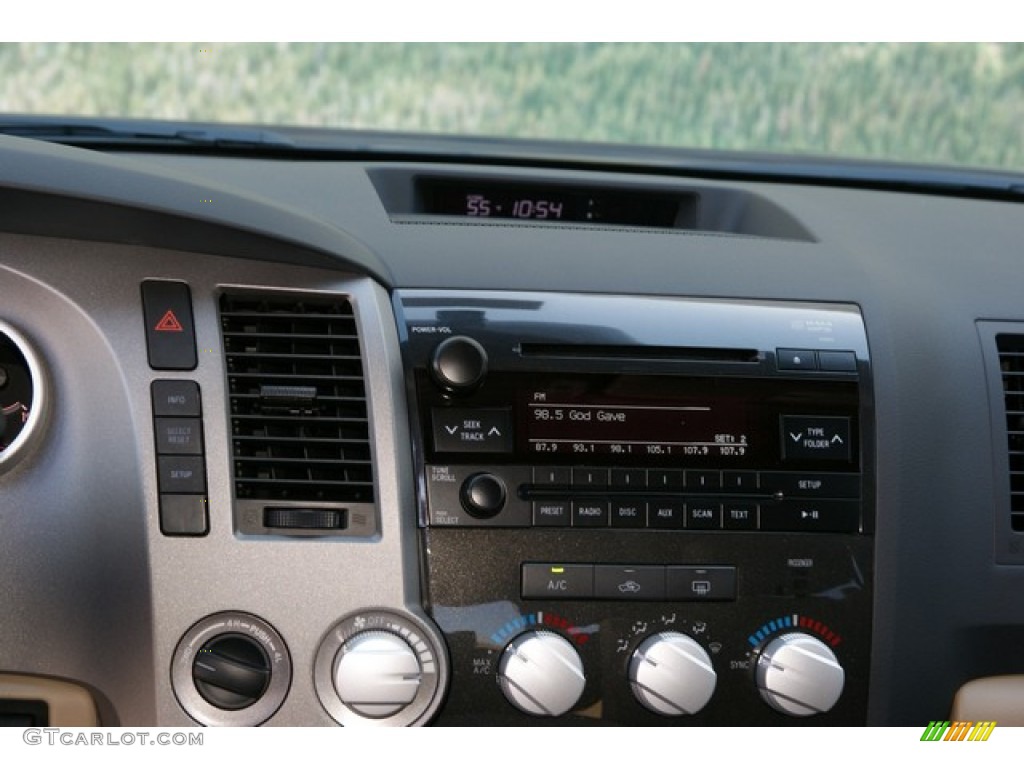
(459, 364)
(671, 674)
(798, 675)
(541, 674)
(483, 495)
(377, 674)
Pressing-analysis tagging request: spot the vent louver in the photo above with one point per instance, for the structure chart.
(299, 421)
(1011, 364)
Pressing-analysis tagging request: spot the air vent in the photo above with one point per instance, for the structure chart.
(1011, 364)
(299, 423)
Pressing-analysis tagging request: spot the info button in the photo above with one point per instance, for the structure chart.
(545, 580)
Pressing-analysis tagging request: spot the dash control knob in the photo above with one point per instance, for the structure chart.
(799, 675)
(459, 364)
(377, 674)
(541, 674)
(377, 667)
(671, 674)
(483, 495)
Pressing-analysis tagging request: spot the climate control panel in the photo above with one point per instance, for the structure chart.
(787, 640)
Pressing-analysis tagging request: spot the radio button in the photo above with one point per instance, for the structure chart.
(629, 582)
(628, 479)
(703, 481)
(629, 514)
(544, 580)
(817, 485)
(685, 582)
(557, 477)
(740, 517)
(666, 515)
(665, 479)
(811, 516)
(703, 516)
(744, 482)
(590, 514)
(589, 478)
(551, 513)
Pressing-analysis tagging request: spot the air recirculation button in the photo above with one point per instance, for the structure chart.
(231, 672)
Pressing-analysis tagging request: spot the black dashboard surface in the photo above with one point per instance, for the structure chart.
(934, 278)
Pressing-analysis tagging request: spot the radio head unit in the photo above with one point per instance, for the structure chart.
(621, 462)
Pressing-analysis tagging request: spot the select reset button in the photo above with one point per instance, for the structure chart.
(546, 580)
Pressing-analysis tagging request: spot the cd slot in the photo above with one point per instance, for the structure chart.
(534, 349)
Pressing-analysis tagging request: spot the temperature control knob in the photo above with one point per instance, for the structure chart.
(376, 674)
(541, 673)
(671, 674)
(459, 364)
(799, 675)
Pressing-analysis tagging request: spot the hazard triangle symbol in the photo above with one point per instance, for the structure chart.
(169, 322)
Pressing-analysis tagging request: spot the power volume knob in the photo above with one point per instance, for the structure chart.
(376, 674)
(671, 674)
(799, 675)
(541, 674)
(459, 364)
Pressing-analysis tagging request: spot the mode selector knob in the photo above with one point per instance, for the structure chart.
(671, 674)
(799, 675)
(541, 674)
(459, 364)
(376, 674)
(483, 495)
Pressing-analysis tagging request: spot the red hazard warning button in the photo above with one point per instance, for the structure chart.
(170, 332)
(169, 322)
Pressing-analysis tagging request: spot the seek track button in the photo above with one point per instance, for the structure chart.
(472, 430)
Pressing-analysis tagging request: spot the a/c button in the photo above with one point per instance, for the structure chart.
(551, 580)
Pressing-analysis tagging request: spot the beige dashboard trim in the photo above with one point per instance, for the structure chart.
(991, 698)
(70, 705)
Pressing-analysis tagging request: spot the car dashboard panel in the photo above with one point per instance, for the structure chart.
(386, 442)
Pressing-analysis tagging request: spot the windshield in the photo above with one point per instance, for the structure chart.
(959, 104)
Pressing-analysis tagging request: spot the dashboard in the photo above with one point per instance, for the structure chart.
(409, 439)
